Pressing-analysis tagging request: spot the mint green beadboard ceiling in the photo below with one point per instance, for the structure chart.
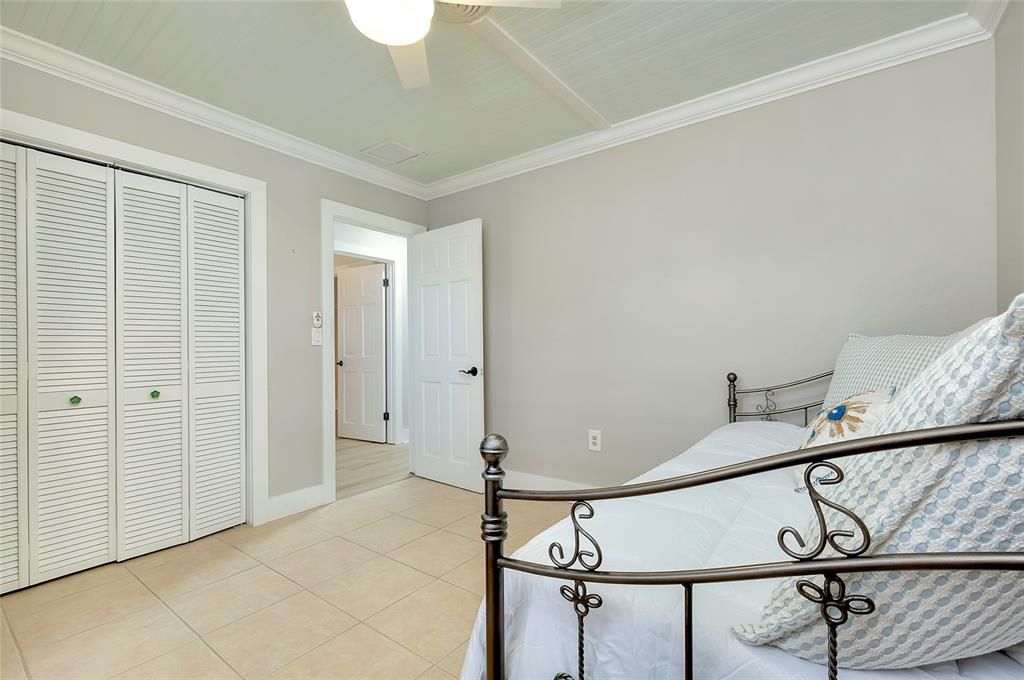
(301, 67)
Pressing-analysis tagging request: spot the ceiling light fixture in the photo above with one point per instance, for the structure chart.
(392, 22)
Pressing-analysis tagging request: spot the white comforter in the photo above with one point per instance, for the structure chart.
(637, 634)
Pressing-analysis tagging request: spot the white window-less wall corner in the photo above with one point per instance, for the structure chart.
(348, 230)
(36, 132)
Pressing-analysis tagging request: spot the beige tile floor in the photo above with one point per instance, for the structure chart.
(385, 584)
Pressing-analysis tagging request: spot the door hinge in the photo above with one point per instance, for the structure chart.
(387, 416)
(386, 282)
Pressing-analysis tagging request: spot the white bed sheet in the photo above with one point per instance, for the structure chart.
(637, 633)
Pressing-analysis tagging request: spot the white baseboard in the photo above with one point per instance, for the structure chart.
(528, 480)
(295, 501)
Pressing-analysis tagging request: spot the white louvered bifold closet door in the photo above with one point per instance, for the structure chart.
(152, 433)
(216, 358)
(70, 364)
(13, 369)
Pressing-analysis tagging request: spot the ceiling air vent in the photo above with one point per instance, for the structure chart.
(391, 152)
(459, 13)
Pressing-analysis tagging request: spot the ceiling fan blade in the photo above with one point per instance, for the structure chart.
(411, 64)
(530, 4)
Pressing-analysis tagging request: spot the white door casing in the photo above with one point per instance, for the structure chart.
(446, 322)
(71, 366)
(152, 368)
(362, 377)
(13, 367)
(216, 349)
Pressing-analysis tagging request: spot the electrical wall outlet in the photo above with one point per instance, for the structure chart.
(594, 440)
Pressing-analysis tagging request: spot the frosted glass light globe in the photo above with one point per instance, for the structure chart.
(392, 22)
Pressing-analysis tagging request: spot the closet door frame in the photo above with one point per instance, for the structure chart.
(21, 128)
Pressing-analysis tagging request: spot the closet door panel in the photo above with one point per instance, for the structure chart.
(70, 240)
(152, 433)
(13, 369)
(216, 350)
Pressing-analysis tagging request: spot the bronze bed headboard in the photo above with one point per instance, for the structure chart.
(587, 556)
(767, 409)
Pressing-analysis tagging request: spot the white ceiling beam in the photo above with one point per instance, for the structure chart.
(488, 29)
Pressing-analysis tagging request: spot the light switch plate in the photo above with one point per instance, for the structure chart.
(594, 440)
(318, 336)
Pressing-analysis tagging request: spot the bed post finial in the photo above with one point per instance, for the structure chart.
(493, 530)
(732, 397)
(493, 450)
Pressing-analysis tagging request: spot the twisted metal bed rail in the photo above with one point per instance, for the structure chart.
(835, 604)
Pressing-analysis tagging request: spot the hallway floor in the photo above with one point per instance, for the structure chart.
(385, 584)
(361, 466)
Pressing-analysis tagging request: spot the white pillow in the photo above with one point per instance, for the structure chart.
(951, 497)
(865, 363)
(852, 418)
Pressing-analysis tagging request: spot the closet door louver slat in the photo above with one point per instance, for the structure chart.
(70, 267)
(14, 571)
(217, 361)
(152, 469)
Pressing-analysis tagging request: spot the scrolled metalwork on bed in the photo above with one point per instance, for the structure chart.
(580, 564)
(766, 407)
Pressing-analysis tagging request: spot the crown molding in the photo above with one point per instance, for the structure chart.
(988, 13)
(947, 34)
(940, 36)
(42, 56)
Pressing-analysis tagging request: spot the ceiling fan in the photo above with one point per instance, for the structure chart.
(401, 25)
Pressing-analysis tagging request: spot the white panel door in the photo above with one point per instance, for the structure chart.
(71, 365)
(152, 468)
(446, 321)
(13, 369)
(362, 377)
(217, 361)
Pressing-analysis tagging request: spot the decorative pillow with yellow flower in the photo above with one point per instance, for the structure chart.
(850, 419)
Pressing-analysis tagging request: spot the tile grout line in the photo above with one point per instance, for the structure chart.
(129, 572)
(187, 625)
(401, 599)
(365, 621)
(287, 552)
(17, 647)
(188, 592)
(355, 618)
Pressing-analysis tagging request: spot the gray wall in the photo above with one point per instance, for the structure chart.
(1010, 152)
(622, 286)
(294, 190)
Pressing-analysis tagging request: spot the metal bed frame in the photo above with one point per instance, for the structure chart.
(835, 604)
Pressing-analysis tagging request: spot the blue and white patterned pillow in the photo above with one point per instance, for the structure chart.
(951, 497)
